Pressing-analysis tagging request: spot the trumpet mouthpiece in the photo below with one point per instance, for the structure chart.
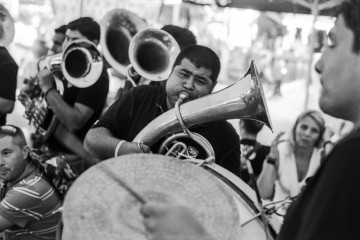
(183, 95)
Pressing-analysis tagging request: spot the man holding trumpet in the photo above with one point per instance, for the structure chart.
(194, 73)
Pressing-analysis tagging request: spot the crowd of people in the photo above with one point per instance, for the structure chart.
(303, 165)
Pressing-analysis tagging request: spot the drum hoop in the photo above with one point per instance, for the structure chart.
(245, 191)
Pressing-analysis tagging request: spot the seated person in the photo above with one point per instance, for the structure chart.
(195, 72)
(29, 207)
(293, 161)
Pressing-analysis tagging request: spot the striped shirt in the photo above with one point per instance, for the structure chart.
(33, 206)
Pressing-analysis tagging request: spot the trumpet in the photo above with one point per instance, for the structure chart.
(80, 63)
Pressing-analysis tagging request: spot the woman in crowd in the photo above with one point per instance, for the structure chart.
(293, 160)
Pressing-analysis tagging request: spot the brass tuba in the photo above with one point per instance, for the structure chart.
(7, 27)
(243, 99)
(152, 53)
(118, 27)
(80, 64)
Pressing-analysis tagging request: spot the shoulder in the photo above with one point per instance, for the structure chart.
(6, 58)
(37, 183)
(148, 92)
(147, 89)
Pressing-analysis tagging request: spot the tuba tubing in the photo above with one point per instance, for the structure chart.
(243, 99)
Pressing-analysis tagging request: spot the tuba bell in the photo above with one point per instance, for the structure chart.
(118, 27)
(7, 27)
(243, 99)
(152, 53)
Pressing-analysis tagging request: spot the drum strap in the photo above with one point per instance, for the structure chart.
(256, 189)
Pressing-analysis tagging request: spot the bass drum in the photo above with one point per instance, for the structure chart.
(252, 226)
(101, 204)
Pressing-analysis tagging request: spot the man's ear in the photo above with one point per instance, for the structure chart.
(213, 86)
(26, 152)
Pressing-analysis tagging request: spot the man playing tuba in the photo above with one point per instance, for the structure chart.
(74, 108)
(194, 74)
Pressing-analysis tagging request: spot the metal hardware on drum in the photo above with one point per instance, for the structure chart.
(273, 207)
(123, 184)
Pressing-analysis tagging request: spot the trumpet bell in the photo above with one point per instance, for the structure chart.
(152, 53)
(7, 27)
(82, 63)
(117, 29)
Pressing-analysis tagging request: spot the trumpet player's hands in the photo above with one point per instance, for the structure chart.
(133, 147)
(46, 80)
(168, 222)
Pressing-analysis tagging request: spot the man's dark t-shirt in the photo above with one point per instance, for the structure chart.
(134, 110)
(8, 78)
(93, 97)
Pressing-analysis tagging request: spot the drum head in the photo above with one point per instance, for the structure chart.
(97, 207)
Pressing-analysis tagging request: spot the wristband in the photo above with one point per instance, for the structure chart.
(47, 92)
(118, 147)
(270, 160)
(328, 142)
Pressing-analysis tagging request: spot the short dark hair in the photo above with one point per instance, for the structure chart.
(252, 126)
(15, 132)
(350, 11)
(201, 56)
(61, 29)
(183, 36)
(87, 26)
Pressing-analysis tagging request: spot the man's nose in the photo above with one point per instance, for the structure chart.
(2, 162)
(189, 83)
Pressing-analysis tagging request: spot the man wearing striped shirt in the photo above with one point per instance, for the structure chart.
(29, 207)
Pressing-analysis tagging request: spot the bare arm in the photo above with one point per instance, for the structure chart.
(102, 144)
(73, 117)
(266, 180)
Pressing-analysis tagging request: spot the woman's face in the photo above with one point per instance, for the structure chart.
(307, 132)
